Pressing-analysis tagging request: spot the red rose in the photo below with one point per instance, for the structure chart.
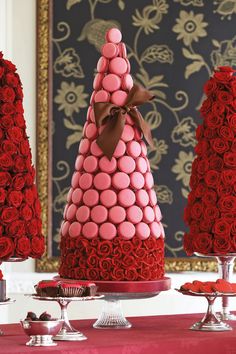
(188, 244)
(222, 76)
(104, 248)
(194, 227)
(80, 273)
(218, 108)
(5, 179)
(71, 260)
(92, 274)
(226, 133)
(15, 134)
(29, 196)
(192, 197)
(118, 274)
(212, 178)
(199, 132)
(6, 121)
(128, 260)
(26, 212)
(210, 133)
(216, 163)
(202, 147)
(233, 145)
(209, 87)
(3, 195)
(1, 72)
(15, 198)
(37, 208)
(227, 69)
(203, 166)
(221, 227)
(18, 182)
(37, 247)
(230, 159)
(136, 242)
(228, 177)
(105, 275)
(219, 145)
(23, 247)
(211, 213)
(233, 87)
(6, 247)
(224, 190)
(227, 204)
(140, 253)
(202, 243)
(206, 106)
(33, 227)
(233, 228)
(1, 134)
(131, 274)
(16, 228)
(105, 264)
(19, 107)
(222, 244)
(213, 121)
(9, 65)
(19, 164)
(6, 161)
(200, 190)
(83, 262)
(19, 120)
(7, 94)
(7, 108)
(225, 97)
(193, 181)
(8, 215)
(25, 148)
(93, 260)
(205, 225)
(11, 79)
(19, 92)
(210, 197)
(9, 147)
(232, 121)
(127, 246)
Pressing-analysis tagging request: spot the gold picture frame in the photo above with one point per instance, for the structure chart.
(49, 263)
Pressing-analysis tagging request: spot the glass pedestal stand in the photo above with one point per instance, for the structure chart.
(225, 271)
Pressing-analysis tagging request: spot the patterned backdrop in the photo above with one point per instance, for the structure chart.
(173, 47)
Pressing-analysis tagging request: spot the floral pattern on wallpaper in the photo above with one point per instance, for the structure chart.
(173, 47)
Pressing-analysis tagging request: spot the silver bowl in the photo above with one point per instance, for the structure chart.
(41, 332)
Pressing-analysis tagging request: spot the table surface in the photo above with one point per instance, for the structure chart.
(149, 335)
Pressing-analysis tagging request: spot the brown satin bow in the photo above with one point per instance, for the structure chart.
(114, 117)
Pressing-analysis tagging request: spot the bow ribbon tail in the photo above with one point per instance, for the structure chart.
(143, 125)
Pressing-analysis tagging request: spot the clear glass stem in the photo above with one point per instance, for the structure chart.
(225, 269)
(210, 315)
(64, 316)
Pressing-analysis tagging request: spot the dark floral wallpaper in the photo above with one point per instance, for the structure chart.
(173, 46)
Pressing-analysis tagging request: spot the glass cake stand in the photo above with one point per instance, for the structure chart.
(7, 302)
(225, 271)
(210, 322)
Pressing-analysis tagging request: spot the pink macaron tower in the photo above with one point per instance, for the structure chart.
(112, 224)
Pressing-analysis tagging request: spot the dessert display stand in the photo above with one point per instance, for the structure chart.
(225, 271)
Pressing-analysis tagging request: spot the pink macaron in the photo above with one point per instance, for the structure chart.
(128, 133)
(79, 162)
(126, 198)
(102, 181)
(126, 230)
(75, 229)
(117, 214)
(157, 212)
(83, 214)
(75, 179)
(127, 82)
(97, 82)
(65, 211)
(134, 214)
(110, 50)
(141, 164)
(84, 146)
(114, 35)
(102, 65)
(77, 196)
(126, 164)
(102, 96)
(129, 119)
(142, 230)
(91, 115)
(108, 198)
(137, 180)
(122, 50)
(99, 214)
(118, 66)
(86, 181)
(119, 98)
(111, 82)
(71, 211)
(120, 180)
(69, 195)
(91, 131)
(142, 198)
(91, 197)
(152, 197)
(106, 165)
(65, 228)
(95, 149)
(107, 231)
(162, 230)
(90, 164)
(148, 214)
(134, 149)
(155, 229)
(149, 181)
(143, 148)
(91, 101)
(138, 134)
(90, 230)
(120, 149)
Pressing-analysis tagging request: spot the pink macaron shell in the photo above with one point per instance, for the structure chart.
(134, 149)
(86, 181)
(144, 148)
(92, 115)
(84, 146)
(148, 164)
(92, 97)
(91, 131)
(90, 230)
(95, 149)
(141, 165)
(129, 119)
(126, 198)
(162, 230)
(137, 134)
(142, 230)
(126, 230)
(90, 164)
(108, 198)
(137, 180)
(128, 66)
(114, 35)
(107, 165)
(99, 214)
(79, 162)
(84, 128)
(83, 214)
(155, 229)
(152, 197)
(88, 113)
(128, 133)
(102, 65)
(148, 214)
(102, 96)
(157, 212)
(127, 82)
(75, 229)
(118, 66)
(119, 98)
(117, 214)
(122, 50)
(97, 82)
(65, 211)
(69, 195)
(110, 50)
(142, 198)
(102, 181)
(111, 82)
(134, 214)
(91, 197)
(65, 228)
(149, 181)
(77, 196)
(75, 179)
(71, 211)
(120, 180)
(126, 164)
(120, 149)
(107, 231)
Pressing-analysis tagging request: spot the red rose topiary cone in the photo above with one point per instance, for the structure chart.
(211, 209)
(20, 222)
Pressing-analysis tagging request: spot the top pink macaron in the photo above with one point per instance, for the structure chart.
(114, 36)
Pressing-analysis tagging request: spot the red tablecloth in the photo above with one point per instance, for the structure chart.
(149, 335)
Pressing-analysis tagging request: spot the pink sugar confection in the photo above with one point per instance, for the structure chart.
(107, 231)
(143, 148)
(111, 82)
(71, 211)
(97, 82)
(91, 114)
(108, 198)
(120, 180)
(110, 50)
(155, 229)
(114, 35)
(75, 229)
(162, 230)
(137, 134)
(95, 149)
(90, 164)
(133, 149)
(92, 97)
(84, 146)
(79, 162)
(117, 214)
(118, 66)
(65, 228)
(83, 214)
(122, 50)
(126, 164)
(65, 211)
(75, 179)
(102, 65)
(142, 230)
(129, 119)
(128, 133)
(149, 181)
(128, 66)
(102, 96)
(126, 230)
(91, 131)
(107, 165)
(126, 198)
(119, 97)
(157, 212)
(90, 230)
(142, 198)
(120, 149)
(148, 214)
(99, 214)
(134, 214)
(137, 180)
(86, 181)
(91, 197)
(102, 181)
(77, 196)
(127, 82)
(152, 197)
(141, 165)
(148, 164)
(84, 128)
(69, 195)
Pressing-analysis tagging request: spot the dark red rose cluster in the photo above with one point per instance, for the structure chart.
(20, 222)
(211, 209)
